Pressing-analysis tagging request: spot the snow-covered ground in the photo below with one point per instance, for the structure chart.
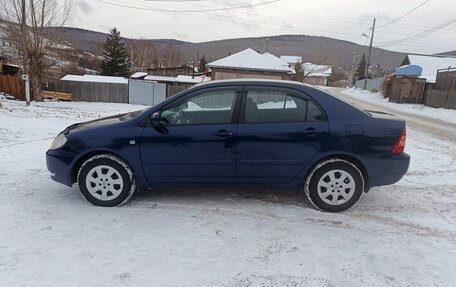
(400, 235)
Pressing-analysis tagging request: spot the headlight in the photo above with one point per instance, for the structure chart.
(58, 142)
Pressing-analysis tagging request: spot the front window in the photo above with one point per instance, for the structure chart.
(215, 107)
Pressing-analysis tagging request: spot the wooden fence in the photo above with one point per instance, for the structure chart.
(441, 99)
(405, 90)
(446, 80)
(90, 91)
(443, 94)
(13, 86)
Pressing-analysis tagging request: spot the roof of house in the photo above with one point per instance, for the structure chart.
(250, 60)
(314, 70)
(275, 58)
(179, 79)
(291, 60)
(95, 79)
(430, 65)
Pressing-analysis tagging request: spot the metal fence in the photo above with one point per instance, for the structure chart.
(90, 91)
(146, 93)
(372, 84)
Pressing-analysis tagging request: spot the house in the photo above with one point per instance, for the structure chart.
(316, 74)
(430, 65)
(250, 64)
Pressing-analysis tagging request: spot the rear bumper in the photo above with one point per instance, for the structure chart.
(59, 167)
(389, 170)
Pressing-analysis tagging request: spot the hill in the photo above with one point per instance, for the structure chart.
(312, 48)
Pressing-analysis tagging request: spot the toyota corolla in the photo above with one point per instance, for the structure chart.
(237, 133)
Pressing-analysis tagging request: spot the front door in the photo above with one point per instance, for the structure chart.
(195, 141)
(278, 134)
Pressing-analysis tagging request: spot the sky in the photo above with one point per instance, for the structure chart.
(346, 20)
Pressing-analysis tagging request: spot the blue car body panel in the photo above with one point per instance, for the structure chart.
(270, 154)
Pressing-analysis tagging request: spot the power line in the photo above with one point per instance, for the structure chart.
(187, 11)
(419, 35)
(406, 14)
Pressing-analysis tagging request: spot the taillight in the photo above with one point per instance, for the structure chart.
(400, 144)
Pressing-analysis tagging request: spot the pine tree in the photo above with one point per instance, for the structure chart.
(202, 64)
(361, 70)
(116, 61)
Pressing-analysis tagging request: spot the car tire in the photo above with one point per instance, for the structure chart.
(334, 185)
(106, 180)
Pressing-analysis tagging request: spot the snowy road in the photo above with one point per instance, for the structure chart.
(401, 235)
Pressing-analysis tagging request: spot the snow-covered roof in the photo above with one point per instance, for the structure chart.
(138, 75)
(11, 65)
(95, 79)
(314, 70)
(291, 60)
(275, 58)
(278, 61)
(250, 60)
(190, 79)
(431, 64)
(178, 79)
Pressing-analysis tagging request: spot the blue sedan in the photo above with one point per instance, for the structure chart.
(237, 132)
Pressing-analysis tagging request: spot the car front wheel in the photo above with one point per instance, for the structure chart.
(334, 185)
(106, 180)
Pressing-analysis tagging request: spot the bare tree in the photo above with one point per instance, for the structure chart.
(143, 55)
(172, 57)
(40, 39)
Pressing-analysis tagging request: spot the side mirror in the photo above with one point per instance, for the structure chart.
(155, 119)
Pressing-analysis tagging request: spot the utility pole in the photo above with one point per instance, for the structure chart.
(352, 70)
(25, 77)
(369, 56)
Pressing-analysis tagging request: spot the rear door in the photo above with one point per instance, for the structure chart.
(195, 142)
(279, 132)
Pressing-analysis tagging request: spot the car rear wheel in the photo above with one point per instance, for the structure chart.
(106, 180)
(334, 185)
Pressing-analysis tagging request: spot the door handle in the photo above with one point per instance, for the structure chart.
(223, 134)
(311, 132)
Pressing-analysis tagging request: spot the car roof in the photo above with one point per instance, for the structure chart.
(242, 82)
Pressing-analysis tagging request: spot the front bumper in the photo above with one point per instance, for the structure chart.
(59, 167)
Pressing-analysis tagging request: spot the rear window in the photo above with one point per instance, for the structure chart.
(266, 106)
